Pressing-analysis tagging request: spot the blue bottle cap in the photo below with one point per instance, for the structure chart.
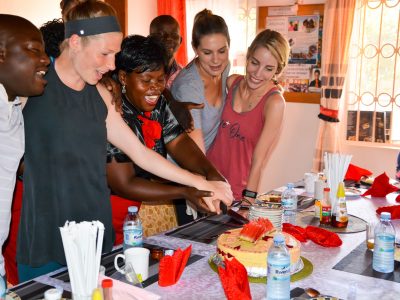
(290, 185)
(279, 238)
(132, 209)
(386, 216)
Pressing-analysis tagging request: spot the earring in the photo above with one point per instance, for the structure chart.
(123, 89)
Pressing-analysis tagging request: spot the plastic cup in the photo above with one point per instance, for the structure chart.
(370, 235)
(309, 182)
(138, 258)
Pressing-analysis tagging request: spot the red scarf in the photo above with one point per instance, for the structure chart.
(151, 129)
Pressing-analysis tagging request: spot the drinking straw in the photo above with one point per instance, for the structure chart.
(336, 165)
(82, 246)
(100, 235)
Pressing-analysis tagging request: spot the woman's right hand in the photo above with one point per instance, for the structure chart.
(222, 192)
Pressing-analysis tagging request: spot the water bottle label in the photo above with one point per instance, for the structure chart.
(288, 204)
(279, 272)
(383, 258)
(133, 237)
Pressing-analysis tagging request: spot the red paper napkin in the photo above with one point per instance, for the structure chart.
(234, 280)
(380, 187)
(323, 237)
(394, 211)
(296, 231)
(171, 267)
(355, 173)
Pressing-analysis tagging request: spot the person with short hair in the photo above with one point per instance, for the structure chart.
(53, 35)
(67, 132)
(23, 63)
(140, 67)
(166, 28)
(316, 82)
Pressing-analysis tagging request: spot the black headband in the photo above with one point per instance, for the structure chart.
(91, 26)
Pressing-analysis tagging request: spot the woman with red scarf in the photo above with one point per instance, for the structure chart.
(140, 67)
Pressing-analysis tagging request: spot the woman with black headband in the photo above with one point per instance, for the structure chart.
(66, 133)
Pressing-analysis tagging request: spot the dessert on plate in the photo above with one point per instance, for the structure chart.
(250, 245)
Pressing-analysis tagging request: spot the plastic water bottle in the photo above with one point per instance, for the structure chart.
(133, 230)
(3, 288)
(289, 204)
(383, 257)
(278, 269)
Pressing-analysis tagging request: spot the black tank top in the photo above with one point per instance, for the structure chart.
(65, 169)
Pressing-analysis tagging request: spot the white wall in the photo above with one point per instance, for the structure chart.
(294, 152)
(377, 160)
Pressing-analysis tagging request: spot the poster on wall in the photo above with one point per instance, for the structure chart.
(304, 36)
(303, 39)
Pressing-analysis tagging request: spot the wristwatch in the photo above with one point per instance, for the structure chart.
(248, 193)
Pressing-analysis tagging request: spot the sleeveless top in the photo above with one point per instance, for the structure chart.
(238, 133)
(188, 86)
(65, 169)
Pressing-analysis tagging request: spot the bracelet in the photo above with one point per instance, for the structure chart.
(250, 194)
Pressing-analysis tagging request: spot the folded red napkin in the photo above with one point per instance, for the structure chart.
(323, 237)
(171, 267)
(380, 187)
(298, 232)
(394, 211)
(355, 173)
(234, 280)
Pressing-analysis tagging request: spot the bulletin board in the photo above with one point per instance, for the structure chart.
(307, 11)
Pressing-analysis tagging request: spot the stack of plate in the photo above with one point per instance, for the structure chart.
(273, 214)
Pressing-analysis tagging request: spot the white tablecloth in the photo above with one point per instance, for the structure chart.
(198, 281)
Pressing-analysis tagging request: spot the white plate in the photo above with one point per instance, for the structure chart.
(352, 193)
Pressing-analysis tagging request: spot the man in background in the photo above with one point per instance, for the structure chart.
(167, 29)
(23, 63)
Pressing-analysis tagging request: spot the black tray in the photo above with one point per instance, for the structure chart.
(205, 230)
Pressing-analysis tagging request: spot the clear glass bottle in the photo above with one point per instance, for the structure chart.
(278, 270)
(340, 218)
(289, 204)
(133, 230)
(383, 257)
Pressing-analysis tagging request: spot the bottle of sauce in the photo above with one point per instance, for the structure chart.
(319, 195)
(326, 209)
(107, 285)
(340, 218)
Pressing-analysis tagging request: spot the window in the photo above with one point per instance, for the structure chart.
(239, 15)
(373, 80)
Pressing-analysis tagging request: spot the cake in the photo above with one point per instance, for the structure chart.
(253, 255)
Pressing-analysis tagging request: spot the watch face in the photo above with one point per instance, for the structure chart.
(251, 194)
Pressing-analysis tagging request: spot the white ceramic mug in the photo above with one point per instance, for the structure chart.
(138, 258)
(309, 182)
